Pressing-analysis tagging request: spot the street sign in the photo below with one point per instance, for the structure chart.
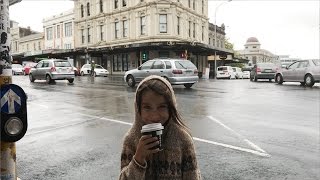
(12, 98)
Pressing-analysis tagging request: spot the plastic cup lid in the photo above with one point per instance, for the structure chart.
(151, 127)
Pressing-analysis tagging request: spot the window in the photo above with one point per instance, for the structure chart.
(68, 29)
(158, 65)
(67, 46)
(116, 30)
(89, 35)
(189, 3)
(101, 33)
(49, 33)
(147, 65)
(143, 25)
(34, 46)
(116, 4)
(209, 40)
(88, 9)
(254, 47)
(82, 36)
(168, 64)
(124, 3)
(194, 30)
(178, 25)
(194, 5)
(189, 28)
(82, 11)
(58, 31)
(39, 45)
(164, 54)
(163, 23)
(202, 33)
(202, 6)
(125, 28)
(120, 62)
(101, 6)
(27, 47)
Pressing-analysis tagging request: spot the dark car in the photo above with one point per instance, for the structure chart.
(263, 71)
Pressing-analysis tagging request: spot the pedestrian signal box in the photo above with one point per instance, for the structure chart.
(13, 113)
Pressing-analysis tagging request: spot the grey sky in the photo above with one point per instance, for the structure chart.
(284, 27)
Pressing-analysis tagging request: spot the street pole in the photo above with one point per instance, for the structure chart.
(8, 149)
(215, 36)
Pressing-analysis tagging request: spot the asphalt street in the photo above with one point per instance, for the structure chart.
(241, 129)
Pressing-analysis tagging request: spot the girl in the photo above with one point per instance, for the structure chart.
(156, 103)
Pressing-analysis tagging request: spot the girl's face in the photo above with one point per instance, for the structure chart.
(154, 108)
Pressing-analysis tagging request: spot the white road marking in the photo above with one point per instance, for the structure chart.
(37, 104)
(237, 134)
(259, 153)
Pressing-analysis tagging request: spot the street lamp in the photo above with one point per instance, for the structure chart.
(215, 36)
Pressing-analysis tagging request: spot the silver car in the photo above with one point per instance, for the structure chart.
(307, 72)
(51, 70)
(176, 71)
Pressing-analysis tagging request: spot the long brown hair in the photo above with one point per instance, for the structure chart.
(162, 87)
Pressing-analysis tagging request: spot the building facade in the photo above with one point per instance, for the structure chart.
(31, 45)
(255, 54)
(122, 34)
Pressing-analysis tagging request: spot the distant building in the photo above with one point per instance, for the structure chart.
(255, 54)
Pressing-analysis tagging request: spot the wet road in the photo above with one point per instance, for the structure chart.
(242, 129)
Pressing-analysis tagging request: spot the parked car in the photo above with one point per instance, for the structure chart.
(27, 68)
(51, 70)
(98, 70)
(263, 71)
(176, 71)
(238, 72)
(246, 74)
(307, 72)
(225, 72)
(17, 69)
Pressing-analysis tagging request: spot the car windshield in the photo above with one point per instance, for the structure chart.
(184, 64)
(99, 67)
(222, 68)
(61, 64)
(316, 62)
(16, 66)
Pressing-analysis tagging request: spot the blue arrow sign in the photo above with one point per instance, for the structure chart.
(12, 98)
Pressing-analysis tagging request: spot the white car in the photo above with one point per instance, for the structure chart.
(225, 72)
(17, 69)
(98, 70)
(238, 72)
(246, 74)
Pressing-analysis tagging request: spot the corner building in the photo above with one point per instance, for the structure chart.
(122, 34)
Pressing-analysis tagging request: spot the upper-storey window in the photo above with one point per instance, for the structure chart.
(202, 6)
(163, 23)
(101, 5)
(189, 3)
(116, 30)
(193, 5)
(88, 9)
(58, 31)
(178, 25)
(124, 3)
(68, 29)
(49, 33)
(125, 28)
(82, 11)
(116, 4)
(82, 36)
(143, 23)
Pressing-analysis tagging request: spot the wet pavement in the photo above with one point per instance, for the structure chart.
(242, 129)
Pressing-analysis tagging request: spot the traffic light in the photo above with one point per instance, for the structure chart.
(144, 55)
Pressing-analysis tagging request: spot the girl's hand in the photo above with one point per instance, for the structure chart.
(145, 144)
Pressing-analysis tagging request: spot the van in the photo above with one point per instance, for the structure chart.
(225, 72)
(238, 72)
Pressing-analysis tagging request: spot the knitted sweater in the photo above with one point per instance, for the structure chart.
(177, 160)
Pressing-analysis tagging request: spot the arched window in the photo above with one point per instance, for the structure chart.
(82, 12)
(88, 9)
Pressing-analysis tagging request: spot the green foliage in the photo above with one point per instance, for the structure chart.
(228, 45)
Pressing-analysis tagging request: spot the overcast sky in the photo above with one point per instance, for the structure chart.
(283, 27)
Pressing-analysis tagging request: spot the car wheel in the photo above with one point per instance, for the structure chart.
(279, 79)
(48, 79)
(302, 83)
(130, 80)
(309, 81)
(188, 85)
(32, 79)
(70, 80)
(82, 73)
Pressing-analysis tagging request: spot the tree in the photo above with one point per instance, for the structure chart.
(228, 45)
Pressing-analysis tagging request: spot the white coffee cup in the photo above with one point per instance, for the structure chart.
(154, 129)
